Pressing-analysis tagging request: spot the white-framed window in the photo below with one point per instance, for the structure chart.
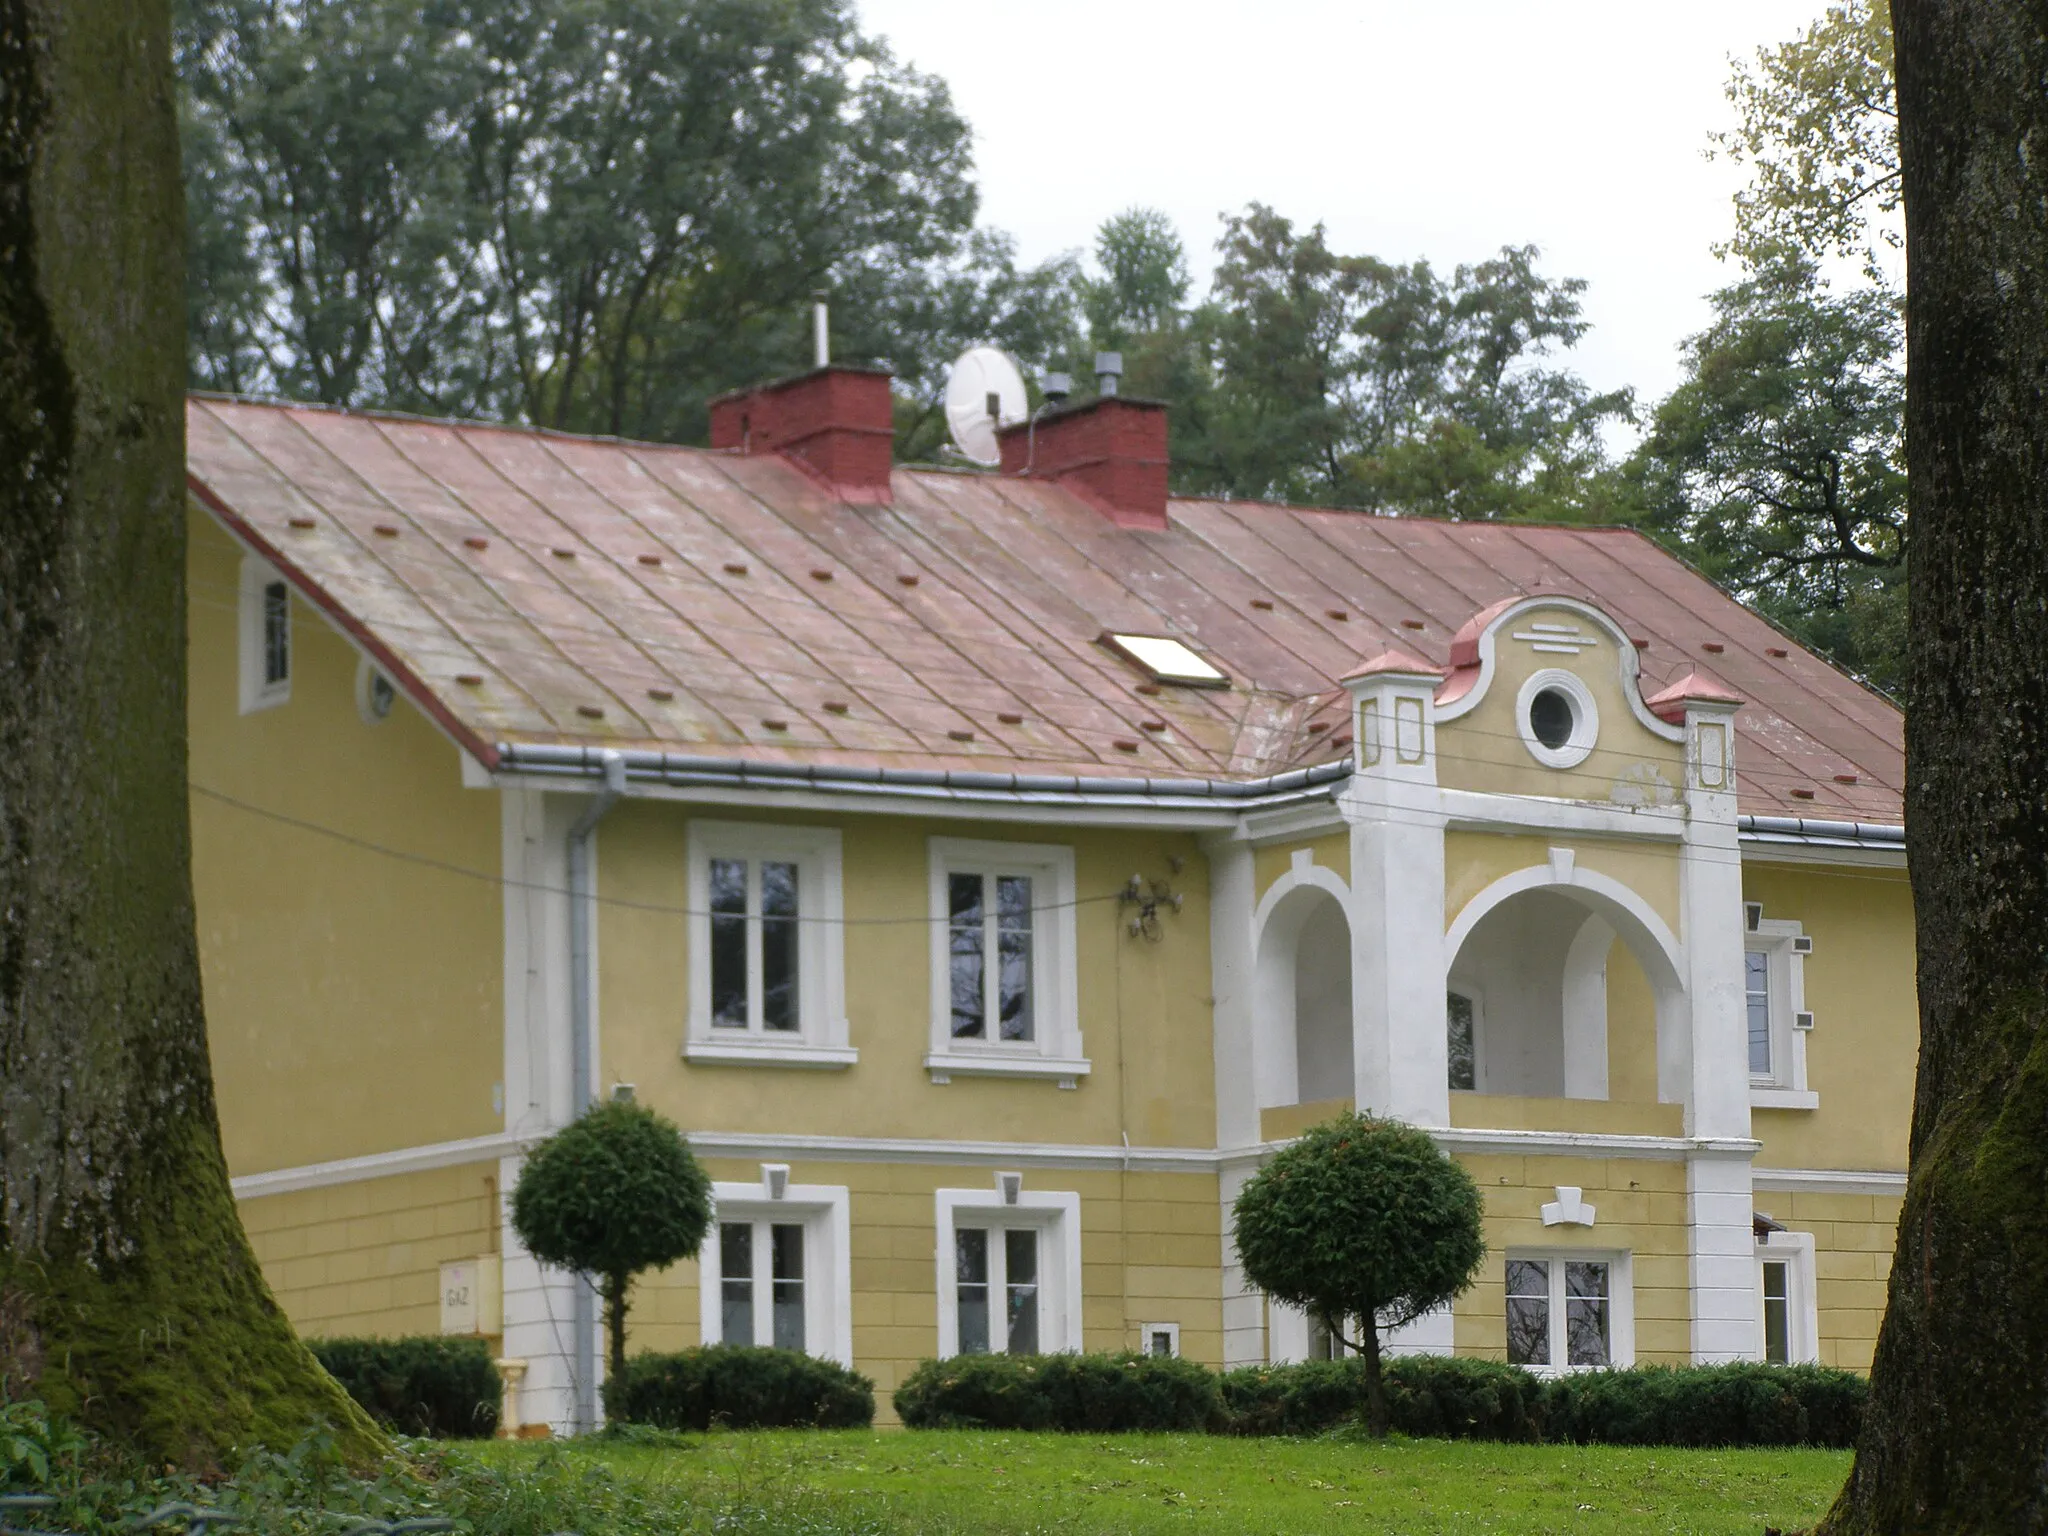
(1160, 1340)
(1557, 718)
(766, 961)
(1004, 997)
(1462, 1016)
(1569, 1310)
(1788, 1310)
(1009, 1271)
(1775, 1020)
(265, 629)
(776, 1268)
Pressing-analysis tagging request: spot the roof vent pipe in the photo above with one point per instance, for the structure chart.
(1109, 371)
(821, 334)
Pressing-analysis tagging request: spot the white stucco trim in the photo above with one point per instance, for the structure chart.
(375, 1165)
(1585, 731)
(1829, 1181)
(1627, 663)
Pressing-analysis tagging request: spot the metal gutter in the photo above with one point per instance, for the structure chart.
(686, 770)
(1816, 832)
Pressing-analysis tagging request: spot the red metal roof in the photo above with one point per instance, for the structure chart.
(535, 587)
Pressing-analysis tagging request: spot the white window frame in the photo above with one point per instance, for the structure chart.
(823, 1211)
(1056, 1216)
(1621, 1304)
(1055, 1052)
(1784, 1086)
(820, 1039)
(1149, 1332)
(1802, 1311)
(257, 577)
(1585, 717)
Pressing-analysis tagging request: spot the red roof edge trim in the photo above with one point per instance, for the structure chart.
(387, 662)
(1696, 687)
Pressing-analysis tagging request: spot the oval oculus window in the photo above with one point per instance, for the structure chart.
(1552, 718)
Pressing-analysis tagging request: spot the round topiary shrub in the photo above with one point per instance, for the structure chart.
(1364, 1221)
(613, 1193)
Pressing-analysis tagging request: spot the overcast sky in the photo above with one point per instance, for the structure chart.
(1444, 129)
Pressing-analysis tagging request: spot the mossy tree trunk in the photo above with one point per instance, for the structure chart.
(1957, 1433)
(128, 1292)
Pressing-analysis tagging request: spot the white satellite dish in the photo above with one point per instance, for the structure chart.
(983, 392)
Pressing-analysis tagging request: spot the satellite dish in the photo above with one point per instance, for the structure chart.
(983, 392)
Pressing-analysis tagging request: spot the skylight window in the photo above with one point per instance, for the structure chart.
(1168, 661)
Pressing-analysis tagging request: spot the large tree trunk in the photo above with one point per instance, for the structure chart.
(128, 1293)
(1957, 1435)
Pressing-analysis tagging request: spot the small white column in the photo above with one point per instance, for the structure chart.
(1720, 1194)
(1232, 903)
(1399, 1048)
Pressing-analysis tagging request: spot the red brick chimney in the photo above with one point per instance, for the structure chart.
(1111, 452)
(834, 423)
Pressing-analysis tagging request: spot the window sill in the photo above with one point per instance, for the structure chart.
(754, 1052)
(945, 1065)
(1783, 1098)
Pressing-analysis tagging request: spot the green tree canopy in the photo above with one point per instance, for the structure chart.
(1778, 464)
(586, 214)
(614, 1192)
(1353, 381)
(1817, 126)
(1363, 1219)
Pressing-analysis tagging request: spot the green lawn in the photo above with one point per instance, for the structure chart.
(985, 1484)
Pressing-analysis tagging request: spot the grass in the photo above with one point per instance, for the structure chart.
(938, 1483)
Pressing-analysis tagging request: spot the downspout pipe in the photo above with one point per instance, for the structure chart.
(582, 998)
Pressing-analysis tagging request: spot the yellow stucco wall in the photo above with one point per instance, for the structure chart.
(1642, 1211)
(1483, 750)
(1145, 1006)
(365, 1258)
(1150, 1251)
(1865, 1043)
(354, 1000)
(1853, 1238)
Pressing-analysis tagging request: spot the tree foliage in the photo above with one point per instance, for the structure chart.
(1365, 1219)
(1817, 127)
(614, 1192)
(1778, 464)
(585, 214)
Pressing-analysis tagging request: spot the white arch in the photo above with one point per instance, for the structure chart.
(1277, 924)
(1649, 939)
(1655, 947)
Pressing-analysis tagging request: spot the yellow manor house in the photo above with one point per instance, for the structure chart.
(989, 870)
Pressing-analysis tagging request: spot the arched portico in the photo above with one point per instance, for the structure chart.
(1302, 989)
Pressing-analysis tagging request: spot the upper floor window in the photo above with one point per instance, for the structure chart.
(766, 950)
(1569, 1311)
(1003, 987)
(265, 618)
(1775, 1020)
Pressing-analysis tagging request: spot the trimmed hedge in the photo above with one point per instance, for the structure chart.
(1438, 1397)
(1077, 1393)
(447, 1388)
(737, 1387)
(1428, 1396)
(1707, 1405)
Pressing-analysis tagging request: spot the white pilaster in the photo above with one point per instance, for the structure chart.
(1244, 1308)
(1399, 1050)
(1231, 903)
(539, 1303)
(1720, 1213)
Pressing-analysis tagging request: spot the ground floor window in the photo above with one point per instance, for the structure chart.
(1787, 1309)
(1568, 1311)
(775, 1267)
(1010, 1270)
